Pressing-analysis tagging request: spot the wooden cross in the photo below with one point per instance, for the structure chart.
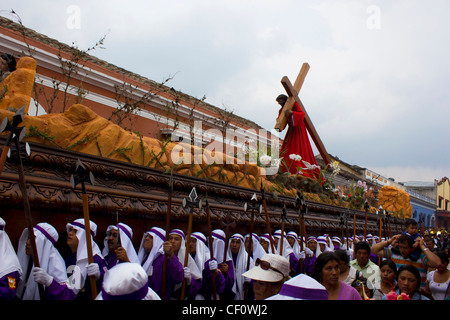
(292, 92)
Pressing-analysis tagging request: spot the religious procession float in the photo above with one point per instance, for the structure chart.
(74, 161)
(58, 167)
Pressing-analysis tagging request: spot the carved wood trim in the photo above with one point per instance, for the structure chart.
(142, 192)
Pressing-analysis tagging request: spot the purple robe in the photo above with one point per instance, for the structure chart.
(8, 292)
(57, 291)
(194, 288)
(206, 289)
(175, 275)
(111, 260)
(308, 265)
(374, 258)
(228, 293)
(295, 264)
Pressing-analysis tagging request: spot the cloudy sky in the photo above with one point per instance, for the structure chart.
(377, 90)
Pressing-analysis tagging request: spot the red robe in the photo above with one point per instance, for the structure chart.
(296, 142)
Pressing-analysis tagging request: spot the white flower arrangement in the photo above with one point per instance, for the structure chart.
(295, 157)
(265, 160)
(310, 166)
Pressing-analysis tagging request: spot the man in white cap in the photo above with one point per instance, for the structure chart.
(236, 249)
(370, 239)
(151, 256)
(348, 246)
(293, 240)
(301, 287)
(257, 249)
(126, 281)
(268, 275)
(322, 241)
(10, 269)
(77, 265)
(52, 267)
(209, 267)
(118, 246)
(192, 274)
(199, 250)
(287, 252)
(312, 251)
(264, 240)
(149, 249)
(337, 243)
(226, 266)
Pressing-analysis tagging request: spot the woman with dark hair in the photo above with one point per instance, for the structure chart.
(408, 282)
(387, 282)
(348, 273)
(438, 281)
(327, 272)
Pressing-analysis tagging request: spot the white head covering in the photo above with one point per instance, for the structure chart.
(287, 249)
(50, 260)
(266, 237)
(82, 255)
(125, 234)
(8, 258)
(126, 281)
(277, 268)
(348, 248)
(296, 247)
(350, 242)
(159, 236)
(219, 239)
(202, 252)
(195, 271)
(330, 244)
(241, 267)
(258, 250)
(301, 287)
(338, 240)
(323, 240)
(314, 239)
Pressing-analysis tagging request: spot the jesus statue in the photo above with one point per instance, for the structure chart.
(296, 143)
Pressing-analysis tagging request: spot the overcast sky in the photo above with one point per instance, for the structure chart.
(377, 90)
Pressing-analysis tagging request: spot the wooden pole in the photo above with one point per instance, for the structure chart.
(251, 239)
(365, 223)
(193, 201)
(81, 176)
(354, 233)
(210, 240)
(186, 256)
(28, 218)
(269, 231)
(380, 231)
(225, 249)
(166, 257)
(283, 222)
(87, 227)
(389, 225)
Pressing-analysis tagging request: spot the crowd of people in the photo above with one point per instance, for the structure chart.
(407, 266)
